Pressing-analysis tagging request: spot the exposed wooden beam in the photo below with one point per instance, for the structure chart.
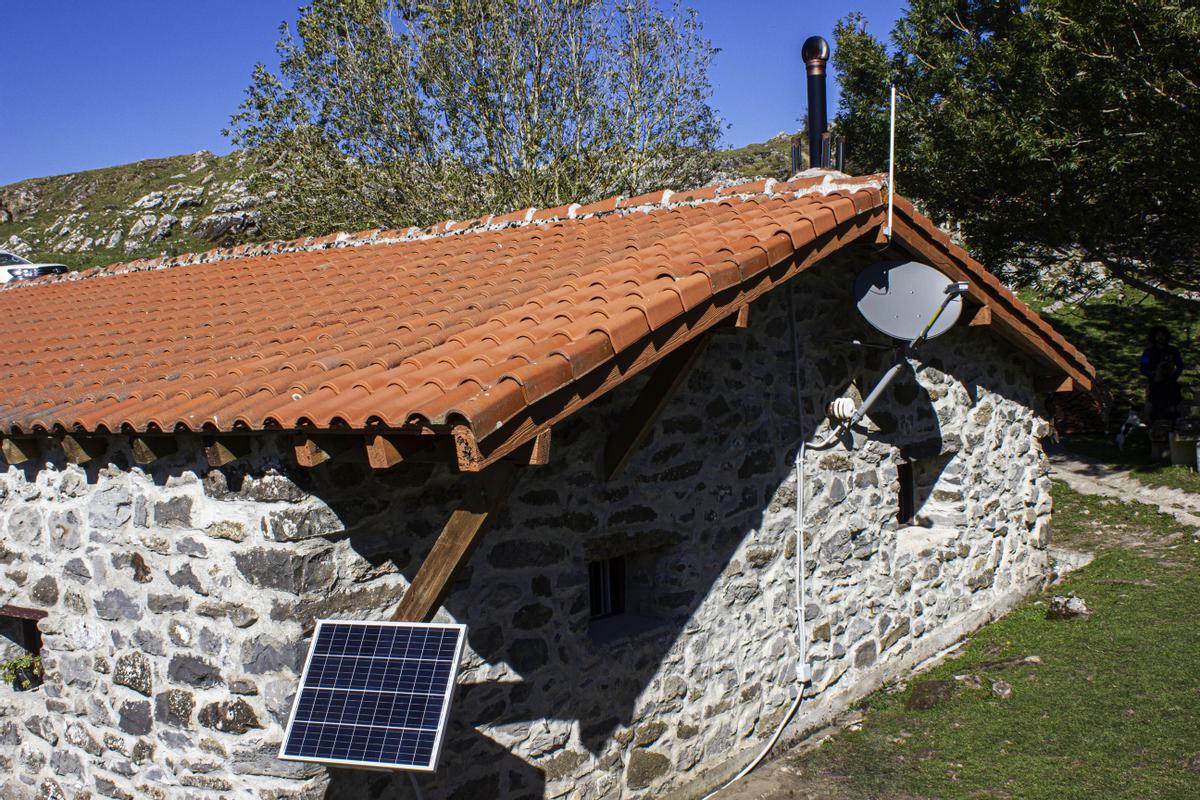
(982, 315)
(639, 419)
(18, 451)
(82, 449)
(485, 493)
(222, 450)
(148, 449)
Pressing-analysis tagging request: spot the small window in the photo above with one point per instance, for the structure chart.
(606, 583)
(622, 599)
(20, 647)
(906, 494)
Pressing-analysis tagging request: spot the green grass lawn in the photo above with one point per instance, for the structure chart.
(1111, 331)
(1111, 711)
(1136, 461)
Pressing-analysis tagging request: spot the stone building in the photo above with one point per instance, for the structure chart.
(593, 411)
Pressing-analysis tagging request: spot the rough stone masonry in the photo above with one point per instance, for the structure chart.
(180, 599)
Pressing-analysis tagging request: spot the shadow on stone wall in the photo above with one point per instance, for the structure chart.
(693, 495)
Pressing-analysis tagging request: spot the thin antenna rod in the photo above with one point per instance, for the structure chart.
(891, 164)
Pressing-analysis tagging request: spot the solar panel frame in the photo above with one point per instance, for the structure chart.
(443, 714)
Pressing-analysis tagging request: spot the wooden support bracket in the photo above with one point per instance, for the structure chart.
(1057, 384)
(313, 450)
(385, 451)
(222, 450)
(982, 315)
(639, 420)
(737, 321)
(82, 449)
(18, 451)
(150, 448)
(486, 492)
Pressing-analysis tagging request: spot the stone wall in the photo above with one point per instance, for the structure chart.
(180, 599)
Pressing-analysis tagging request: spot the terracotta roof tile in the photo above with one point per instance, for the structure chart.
(460, 323)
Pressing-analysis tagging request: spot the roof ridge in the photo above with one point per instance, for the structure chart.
(798, 186)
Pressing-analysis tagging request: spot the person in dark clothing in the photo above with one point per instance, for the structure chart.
(1162, 364)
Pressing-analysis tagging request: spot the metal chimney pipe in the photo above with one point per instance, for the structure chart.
(815, 53)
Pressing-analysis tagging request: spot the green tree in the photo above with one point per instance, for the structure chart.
(395, 113)
(1061, 137)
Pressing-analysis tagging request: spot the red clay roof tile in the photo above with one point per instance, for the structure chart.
(462, 323)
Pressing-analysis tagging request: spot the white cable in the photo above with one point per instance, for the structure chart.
(803, 672)
(415, 786)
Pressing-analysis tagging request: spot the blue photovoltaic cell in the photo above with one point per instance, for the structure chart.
(374, 693)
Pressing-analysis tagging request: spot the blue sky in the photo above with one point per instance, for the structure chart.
(93, 84)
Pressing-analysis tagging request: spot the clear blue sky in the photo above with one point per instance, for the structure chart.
(93, 84)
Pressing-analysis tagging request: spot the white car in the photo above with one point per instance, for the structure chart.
(15, 268)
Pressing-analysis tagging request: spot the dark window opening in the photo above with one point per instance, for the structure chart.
(906, 508)
(606, 584)
(20, 647)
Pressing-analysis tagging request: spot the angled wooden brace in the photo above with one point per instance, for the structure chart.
(485, 494)
(639, 420)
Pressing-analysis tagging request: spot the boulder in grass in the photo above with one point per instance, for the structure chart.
(1068, 607)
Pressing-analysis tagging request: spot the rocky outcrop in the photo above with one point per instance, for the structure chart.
(146, 209)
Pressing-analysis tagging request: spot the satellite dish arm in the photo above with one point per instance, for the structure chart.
(952, 291)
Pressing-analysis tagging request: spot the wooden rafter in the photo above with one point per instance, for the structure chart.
(485, 494)
(639, 419)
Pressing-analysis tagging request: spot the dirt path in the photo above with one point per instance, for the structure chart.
(1092, 477)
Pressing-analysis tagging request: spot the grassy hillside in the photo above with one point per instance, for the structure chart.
(148, 208)
(186, 203)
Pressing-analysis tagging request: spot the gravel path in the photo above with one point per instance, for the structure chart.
(1092, 477)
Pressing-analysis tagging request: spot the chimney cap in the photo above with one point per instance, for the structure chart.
(815, 48)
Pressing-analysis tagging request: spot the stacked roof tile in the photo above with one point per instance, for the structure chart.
(462, 323)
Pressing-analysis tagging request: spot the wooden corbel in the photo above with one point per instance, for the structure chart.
(1057, 384)
(485, 494)
(385, 451)
(149, 448)
(19, 451)
(981, 315)
(222, 450)
(82, 449)
(314, 450)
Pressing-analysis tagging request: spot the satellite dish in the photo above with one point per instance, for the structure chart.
(900, 297)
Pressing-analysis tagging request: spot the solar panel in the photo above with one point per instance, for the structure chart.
(374, 694)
